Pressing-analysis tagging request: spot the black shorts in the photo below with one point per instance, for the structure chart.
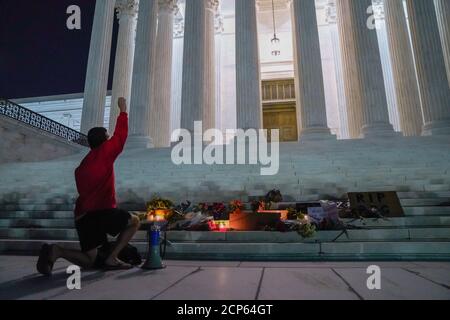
(94, 227)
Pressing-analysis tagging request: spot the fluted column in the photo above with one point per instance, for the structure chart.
(209, 113)
(405, 80)
(386, 64)
(248, 77)
(194, 82)
(430, 66)
(364, 84)
(443, 15)
(143, 73)
(98, 66)
(123, 66)
(160, 120)
(342, 105)
(311, 108)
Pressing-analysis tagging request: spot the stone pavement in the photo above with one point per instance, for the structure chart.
(229, 280)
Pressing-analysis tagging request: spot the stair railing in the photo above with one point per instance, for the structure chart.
(36, 120)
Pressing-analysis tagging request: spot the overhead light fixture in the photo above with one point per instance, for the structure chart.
(275, 41)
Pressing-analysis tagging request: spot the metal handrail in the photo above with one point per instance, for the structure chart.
(36, 120)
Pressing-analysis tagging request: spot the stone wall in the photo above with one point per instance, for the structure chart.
(22, 143)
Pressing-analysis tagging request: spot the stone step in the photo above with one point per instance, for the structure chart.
(427, 211)
(413, 221)
(49, 213)
(59, 220)
(419, 250)
(393, 234)
(36, 207)
(425, 202)
(310, 251)
(321, 236)
(37, 223)
(300, 193)
(443, 195)
(36, 234)
(407, 199)
(36, 215)
(39, 208)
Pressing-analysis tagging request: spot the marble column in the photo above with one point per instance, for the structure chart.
(98, 66)
(209, 112)
(363, 74)
(143, 73)
(123, 67)
(194, 82)
(177, 83)
(161, 114)
(405, 80)
(309, 87)
(443, 15)
(386, 64)
(248, 77)
(342, 105)
(430, 66)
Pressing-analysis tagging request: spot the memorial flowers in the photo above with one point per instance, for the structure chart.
(159, 209)
(236, 206)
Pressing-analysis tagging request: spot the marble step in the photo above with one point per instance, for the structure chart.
(49, 222)
(46, 213)
(393, 234)
(425, 202)
(420, 250)
(321, 236)
(36, 215)
(427, 211)
(413, 212)
(412, 221)
(36, 223)
(209, 196)
(49, 200)
(301, 251)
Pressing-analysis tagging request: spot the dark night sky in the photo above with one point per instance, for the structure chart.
(39, 56)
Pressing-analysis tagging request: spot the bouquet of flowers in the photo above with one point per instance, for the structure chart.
(218, 210)
(202, 207)
(159, 204)
(257, 205)
(298, 222)
(236, 206)
(159, 208)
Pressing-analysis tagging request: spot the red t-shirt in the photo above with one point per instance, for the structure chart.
(95, 175)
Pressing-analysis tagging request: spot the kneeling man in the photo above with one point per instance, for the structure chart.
(96, 212)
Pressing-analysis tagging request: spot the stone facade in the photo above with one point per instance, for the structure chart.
(27, 144)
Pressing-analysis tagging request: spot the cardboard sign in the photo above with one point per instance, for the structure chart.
(385, 203)
(331, 210)
(327, 210)
(317, 214)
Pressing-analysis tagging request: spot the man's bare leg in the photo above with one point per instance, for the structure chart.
(122, 241)
(82, 259)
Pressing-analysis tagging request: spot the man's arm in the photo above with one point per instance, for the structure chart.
(117, 142)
